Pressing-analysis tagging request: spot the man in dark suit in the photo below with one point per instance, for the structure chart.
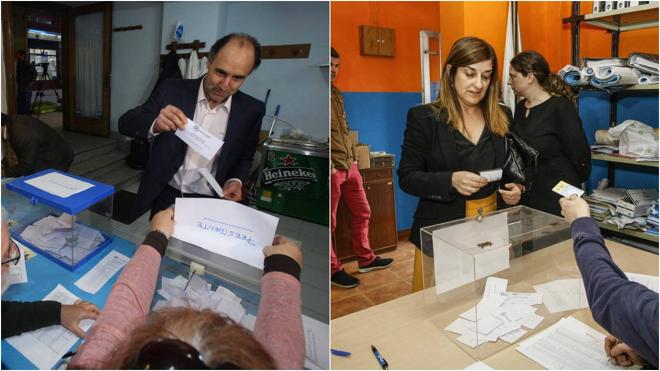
(29, 145)
(215, 103)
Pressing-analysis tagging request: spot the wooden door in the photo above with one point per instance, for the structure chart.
(88, 48)
(369, 40)
(9, 59)
(386, 42)
(382, 225)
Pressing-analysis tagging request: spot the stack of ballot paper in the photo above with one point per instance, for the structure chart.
(499, 315)
(625, 208)
(568, 345)
(196, 293)
(62, 238)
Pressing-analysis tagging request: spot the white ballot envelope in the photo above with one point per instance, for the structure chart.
(566, 189)
(226, 228)
(199, 139)
(493, 175)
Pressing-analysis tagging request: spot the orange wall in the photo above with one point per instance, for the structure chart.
(541, 29)
(381, 74)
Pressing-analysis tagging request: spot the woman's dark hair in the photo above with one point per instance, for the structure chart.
(242, 38)
(532, 62)
(333, 53)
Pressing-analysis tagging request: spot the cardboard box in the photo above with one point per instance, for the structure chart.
(363, 159)
(354, 137)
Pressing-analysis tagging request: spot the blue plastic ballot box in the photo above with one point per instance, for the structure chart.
(56, 215)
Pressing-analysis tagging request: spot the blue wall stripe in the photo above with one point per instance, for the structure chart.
(380, 119)
(595, 112)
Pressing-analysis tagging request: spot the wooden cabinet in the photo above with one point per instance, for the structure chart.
(377, 41)
(379, 187)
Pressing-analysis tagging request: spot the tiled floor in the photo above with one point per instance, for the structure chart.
(376, 287)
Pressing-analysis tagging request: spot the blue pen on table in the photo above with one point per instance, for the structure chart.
(381, 360)
(341, 353)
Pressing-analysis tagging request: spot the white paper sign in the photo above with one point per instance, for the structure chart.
(226, 228)
(199, 139)
(59, 184)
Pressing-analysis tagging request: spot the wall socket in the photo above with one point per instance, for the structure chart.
(196, 268)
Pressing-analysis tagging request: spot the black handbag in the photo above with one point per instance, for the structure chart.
(519, 162)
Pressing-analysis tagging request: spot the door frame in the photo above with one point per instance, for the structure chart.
(8, 58)
(71, 123)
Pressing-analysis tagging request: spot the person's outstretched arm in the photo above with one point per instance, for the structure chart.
(279, 324)
(129, 301)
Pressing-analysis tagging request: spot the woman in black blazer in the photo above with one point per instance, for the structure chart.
(448, 142)
(547, 120)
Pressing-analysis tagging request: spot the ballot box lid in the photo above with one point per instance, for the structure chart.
(73, 204)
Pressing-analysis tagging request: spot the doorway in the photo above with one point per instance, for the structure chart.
(60, 58)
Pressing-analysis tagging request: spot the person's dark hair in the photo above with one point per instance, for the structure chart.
(464, 52)
(242, 38)
(533, 62)
(220, 342)
(5, 119)
(333, 53)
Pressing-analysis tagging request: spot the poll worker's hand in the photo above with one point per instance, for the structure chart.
(71, 315)
(281, 245)
(467, 183)
(621, 354)
(511, 196)
(163, 222)
(573, 207)
(170, 118)
(233, 191)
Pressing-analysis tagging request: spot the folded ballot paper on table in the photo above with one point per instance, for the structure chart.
(225, 228)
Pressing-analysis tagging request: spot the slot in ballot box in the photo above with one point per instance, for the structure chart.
(493, 290)
(65, 217)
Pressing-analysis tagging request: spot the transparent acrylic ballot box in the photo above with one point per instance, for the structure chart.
(499, 278)
(64, 217)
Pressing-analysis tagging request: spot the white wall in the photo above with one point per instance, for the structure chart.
(202, 21)
(300, 86)
(135, 55)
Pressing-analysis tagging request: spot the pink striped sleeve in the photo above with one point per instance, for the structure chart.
(279, 325)
(126, 308)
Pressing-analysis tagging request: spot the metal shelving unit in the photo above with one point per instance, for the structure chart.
(626, 19)
(617, 21)
(622, 160)
(629, 232)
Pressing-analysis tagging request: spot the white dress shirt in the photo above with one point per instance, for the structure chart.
(188, 178)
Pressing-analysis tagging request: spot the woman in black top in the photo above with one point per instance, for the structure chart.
(546, 119)
(447, 143)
